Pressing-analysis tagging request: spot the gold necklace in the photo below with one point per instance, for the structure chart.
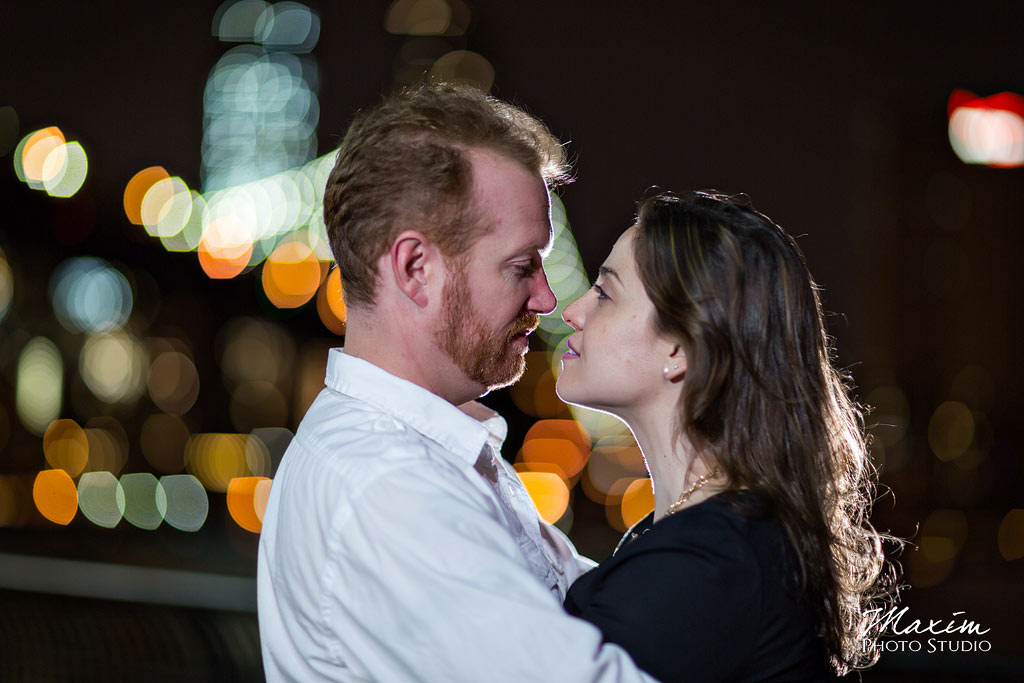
(678, 505)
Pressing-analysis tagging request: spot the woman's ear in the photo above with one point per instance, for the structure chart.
(675, 364)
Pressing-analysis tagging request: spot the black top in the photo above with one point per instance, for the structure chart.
(706, 594)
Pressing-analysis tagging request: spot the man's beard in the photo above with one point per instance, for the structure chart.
(486, 357)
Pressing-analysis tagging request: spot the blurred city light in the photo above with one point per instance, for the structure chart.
(66, 447)
(6, 286)
(1010, 538)
(101, 499)
(614, 463)
(113, 366)
(942, 536)
(55, 496)
(65, 169)
(987, 130)
(40, 386)
(637, 502)
(463, 66)
(90, 295)
(182, 502)
(559, 446)
(30, 155)
(243, 506)
(548, 492)
(136, 189)
(173, 382)
(166, 207)
(162, 439)
(292, 274)
(950, 430)
(108, 445)
(216, 459)
(421, 18)
(330, 303)
(255, 350)
(140, 500)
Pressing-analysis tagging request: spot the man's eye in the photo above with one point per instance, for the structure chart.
(525, 269)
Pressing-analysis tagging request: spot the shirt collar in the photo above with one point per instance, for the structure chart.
(423, 411)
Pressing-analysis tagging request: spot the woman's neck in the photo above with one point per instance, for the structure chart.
(673, 461)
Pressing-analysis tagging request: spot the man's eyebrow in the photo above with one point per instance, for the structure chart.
(608, 272)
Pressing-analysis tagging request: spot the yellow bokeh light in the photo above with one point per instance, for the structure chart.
(166, 207)
(292, 275)
(216, 459)
(108, 445)
(548, 492)
(137, 188)
(418, 17)
(66, 446)
(55, 496)
(40, 388)
(242, 504)
(113, 366)
(950, 430)
(637, 502)
(463, 66)
(330, 303)
(65, 169)
(1011, 535)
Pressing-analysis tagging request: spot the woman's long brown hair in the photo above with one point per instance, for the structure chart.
(762, 398)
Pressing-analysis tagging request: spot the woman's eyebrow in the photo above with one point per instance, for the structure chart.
(608, 272)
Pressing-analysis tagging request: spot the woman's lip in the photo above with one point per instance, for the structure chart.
(568, 355)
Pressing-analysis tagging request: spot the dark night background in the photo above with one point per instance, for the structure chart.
(832, 119)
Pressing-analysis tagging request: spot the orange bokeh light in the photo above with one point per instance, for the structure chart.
(225, 249)
(246, 497)
(66, 446)
(55, 496)
(137, 188)
(637, 501)
(330, 303)
(548, 492)
(292, 274)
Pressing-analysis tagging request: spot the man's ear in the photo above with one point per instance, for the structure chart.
(414, 261)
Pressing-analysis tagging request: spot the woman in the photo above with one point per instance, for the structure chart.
(704, 334)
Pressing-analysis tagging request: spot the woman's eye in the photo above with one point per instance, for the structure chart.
(600, 291)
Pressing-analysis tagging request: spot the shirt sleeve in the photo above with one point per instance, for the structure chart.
(434, 588)
(679, 611)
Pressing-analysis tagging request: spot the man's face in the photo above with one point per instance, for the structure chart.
(496, 291)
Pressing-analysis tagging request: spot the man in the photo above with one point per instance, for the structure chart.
(397, 545)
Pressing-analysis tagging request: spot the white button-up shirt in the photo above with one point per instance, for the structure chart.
(397, 546)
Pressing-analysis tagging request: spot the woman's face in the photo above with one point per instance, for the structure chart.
(616, 360)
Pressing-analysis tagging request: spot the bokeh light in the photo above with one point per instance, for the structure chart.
(330, 303)
(534, 393)
(140, 500)
(243, 505)
(55, 496)
(31, 153)
(292, 274)
(136, 189)
(548, 492)
(108, 445)
(216, 459)
(257, 404)
(287, 26)
(463, 66)
(950, 430)
(235, 20)
(173, 382)
(614, 463)
(559, 446)
(162, 439)
(1011, 535)
(225, 248)
(6, 286)
(66, 447)
(65, 169)
(637, 502)
(256, 350)
(40, 388)
(166, 207)
(182, 502)
(90, 295)
(427, 17)
(101, 499)
(943, 535)
(265, 449)
(987, 130)
(113, 366)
